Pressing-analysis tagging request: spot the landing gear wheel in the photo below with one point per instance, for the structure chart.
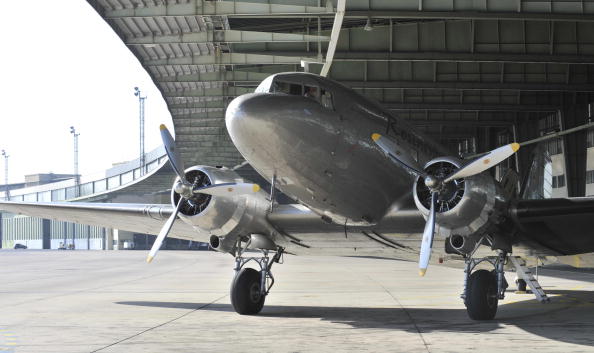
(521, 285)
(246, 295)
(481, 297)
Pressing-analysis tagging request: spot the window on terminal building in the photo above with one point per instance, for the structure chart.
(590, 177)
(558, 181)
(590, 138)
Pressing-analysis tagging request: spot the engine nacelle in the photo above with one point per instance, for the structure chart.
(221, 220)
(466, 207)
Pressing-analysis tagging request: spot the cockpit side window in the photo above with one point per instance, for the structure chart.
(326, 99)
(288, 88)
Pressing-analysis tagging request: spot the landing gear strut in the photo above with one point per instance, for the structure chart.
(250, 287)
(482, 288)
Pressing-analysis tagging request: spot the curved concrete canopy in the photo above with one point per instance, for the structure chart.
(448, 66)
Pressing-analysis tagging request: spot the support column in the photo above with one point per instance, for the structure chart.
(575, 113)
(123, 239)
(46, 234)
(109, 237)
(1, 227)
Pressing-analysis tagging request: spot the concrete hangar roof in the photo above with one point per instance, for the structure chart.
(452, 67)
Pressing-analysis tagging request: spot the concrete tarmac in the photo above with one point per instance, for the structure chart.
(113, 301)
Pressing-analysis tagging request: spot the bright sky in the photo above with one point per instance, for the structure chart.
(61, 65)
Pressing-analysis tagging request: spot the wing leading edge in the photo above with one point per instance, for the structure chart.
(141, 218)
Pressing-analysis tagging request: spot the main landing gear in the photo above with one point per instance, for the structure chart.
(483, 289)
(250, 286)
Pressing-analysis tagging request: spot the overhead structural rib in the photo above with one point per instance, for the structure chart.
(224, 36)
(463, 85)
(214, 76)
(442, 56)
(209, 92)
(471, 107)
(470, 15)
(227, 59)
(218, 8)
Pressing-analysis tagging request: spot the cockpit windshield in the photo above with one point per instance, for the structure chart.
(264, 86)
(274, 84)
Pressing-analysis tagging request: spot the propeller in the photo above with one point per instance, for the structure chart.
(187, 190)
(436, 184)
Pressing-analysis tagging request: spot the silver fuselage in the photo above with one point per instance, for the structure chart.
(323, 155)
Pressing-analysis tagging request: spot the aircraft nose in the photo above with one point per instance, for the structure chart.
(243, 116)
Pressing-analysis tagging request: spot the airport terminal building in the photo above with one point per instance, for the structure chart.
(124, 182)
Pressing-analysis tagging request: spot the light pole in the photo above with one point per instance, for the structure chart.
(6, 191)
(76, 176)
(141, 117)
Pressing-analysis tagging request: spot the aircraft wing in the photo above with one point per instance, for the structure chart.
(139, 218)
(556, 226)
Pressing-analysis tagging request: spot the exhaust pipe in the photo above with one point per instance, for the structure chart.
(461, 244)
(227, 245)
(219, 244)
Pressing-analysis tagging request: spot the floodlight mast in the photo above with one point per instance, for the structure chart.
(76, 175)
(142, 158)
(6, 191)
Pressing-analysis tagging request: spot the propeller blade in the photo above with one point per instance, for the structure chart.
(228, 189)
(485, 162)
(173, 154)
(396, 154)
(428, 234)
(163, 233)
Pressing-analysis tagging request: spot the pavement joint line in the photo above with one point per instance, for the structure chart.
(160, 325)
(412, 320)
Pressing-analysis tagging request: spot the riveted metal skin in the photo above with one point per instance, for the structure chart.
(323, 156)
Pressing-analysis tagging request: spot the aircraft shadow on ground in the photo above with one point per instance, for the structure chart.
(569, 317)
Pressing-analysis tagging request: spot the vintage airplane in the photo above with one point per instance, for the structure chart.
(363, 181)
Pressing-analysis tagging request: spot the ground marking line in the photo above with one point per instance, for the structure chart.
(160, 325)
(406, 311)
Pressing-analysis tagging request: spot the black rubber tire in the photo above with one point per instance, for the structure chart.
(481, 295)
(246, 295)
(521, 285)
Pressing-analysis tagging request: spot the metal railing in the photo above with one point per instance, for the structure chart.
(88, 188)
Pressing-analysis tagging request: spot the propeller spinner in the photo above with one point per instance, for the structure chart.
(437, 185)
(187, 190)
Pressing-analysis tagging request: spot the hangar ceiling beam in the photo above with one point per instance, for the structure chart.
(201, 115)
(214, 76)
(219, 8)
(224, 36)
(187, 111)
(226, 59)
(457, 85)
(197, 105)
(209, 92)
(470, 15)
(460, 122)
(470, 107)
(363, 56)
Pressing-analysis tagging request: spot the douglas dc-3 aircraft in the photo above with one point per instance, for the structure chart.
(363, 180)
